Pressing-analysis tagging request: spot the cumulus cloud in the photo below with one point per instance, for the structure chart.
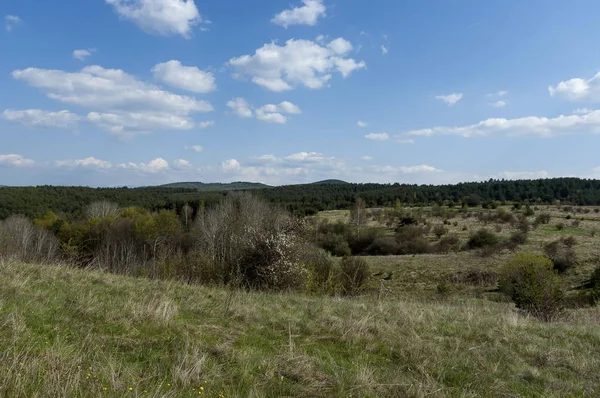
(361, 124)
(298, 62)
(195, 148)
(404, 169)
(182, 164)
(378, 136)
(124, 101)
(188, 78)
(231, 165)
(125, 123)
(83, 54)
(500, 93)
(160, 17)
(10, 21)
(578, 89)
(366, 158)
(87, 163)
(41, 118)
(154, 166)
(15, 160)
(588, 123)
(499, 104)
(384, 50)
(240, 107)
(451, 99)
(308, 14)
(522, 175)
(269, 113)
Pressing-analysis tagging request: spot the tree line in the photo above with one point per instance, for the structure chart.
(305, 199)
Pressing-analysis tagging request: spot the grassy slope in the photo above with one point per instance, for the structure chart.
(75, 333)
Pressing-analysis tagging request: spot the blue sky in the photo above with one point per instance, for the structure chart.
(142, 92)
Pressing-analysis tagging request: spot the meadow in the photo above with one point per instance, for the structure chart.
(423, 325)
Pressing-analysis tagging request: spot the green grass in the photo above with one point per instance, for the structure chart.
(79, 333)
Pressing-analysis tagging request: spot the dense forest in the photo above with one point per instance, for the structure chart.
(302, 199)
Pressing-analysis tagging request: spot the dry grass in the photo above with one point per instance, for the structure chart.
(75, 333)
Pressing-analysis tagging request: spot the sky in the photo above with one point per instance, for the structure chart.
(146, 92)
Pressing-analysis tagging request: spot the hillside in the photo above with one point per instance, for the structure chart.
(67, 332)
(201, 186)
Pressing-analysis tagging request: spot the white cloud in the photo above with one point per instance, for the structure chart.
(269, 113)
(450, 99)
(582, 111)
(588, 123)
(182, 164)
(270, 117)
(154, 166)
(124, 100)
(206, 124)
(500, 93)
(320, 38)
(288, 107)
(240, 107)
(578, 89)
(404, 169)
(366, 158)
(522, 175)
(83, 54)
(378, 136)
(188, 78)
(499, 104)
(298, 62)
(41, 118)
(384, 50)
(195, 148)
(111, 89)
(308, 14)
(340, 46)
(15, 160)
(161, 17)
(10, 21)
(406, 141)
(231, 165)
(87, 163)
(361, 124)
(128, 123)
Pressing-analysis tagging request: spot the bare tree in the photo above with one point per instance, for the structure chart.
(102, 209)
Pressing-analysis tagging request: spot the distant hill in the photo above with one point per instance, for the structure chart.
(217, 186)
(331, 182)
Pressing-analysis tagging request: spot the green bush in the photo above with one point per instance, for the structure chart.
(384, 246)
(543, 218)
(561, 254)
(533, 285)
(321, 272)
(593, 284)
(439, 230)
(335, 244)
(481, 239)
(449, 243)
(354, 275)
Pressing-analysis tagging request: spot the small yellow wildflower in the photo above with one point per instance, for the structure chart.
(168, 384)
(130, 388)
(201, 388)
(104, 388)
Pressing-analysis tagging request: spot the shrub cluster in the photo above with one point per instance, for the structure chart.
(533, 285)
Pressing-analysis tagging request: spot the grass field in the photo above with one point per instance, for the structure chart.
(78, 333)
(68, 332)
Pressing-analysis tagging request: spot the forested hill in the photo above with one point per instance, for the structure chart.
(201, 186)
(303, 199)
(315, 197)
